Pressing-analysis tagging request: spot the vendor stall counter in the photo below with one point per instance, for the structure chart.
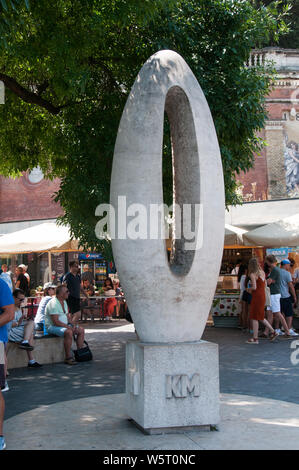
(226, 307)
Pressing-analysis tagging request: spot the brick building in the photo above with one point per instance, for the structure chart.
(26, 201)
(276, 171)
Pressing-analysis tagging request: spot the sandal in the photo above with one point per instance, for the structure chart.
(273, 336)
(252, 341)
(263, 336)
(70, 361)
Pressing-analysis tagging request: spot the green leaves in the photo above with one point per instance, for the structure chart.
(80, 58)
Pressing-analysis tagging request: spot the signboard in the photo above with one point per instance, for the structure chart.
(90, 256)
(281, 253)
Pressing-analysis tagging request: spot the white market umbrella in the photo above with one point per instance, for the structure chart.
(233, 235)
(39, 238)
(284, 232)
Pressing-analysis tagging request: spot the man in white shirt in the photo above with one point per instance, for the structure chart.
(235, 271)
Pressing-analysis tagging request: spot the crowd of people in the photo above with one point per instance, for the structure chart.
(268, 296)
(58, 314)
(20, 279)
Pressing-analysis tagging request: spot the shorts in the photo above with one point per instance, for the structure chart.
(56, 330)
(2, 365)
(39, 326)
(73, 304)
(16, 333)
(275, 303)
(287, 307)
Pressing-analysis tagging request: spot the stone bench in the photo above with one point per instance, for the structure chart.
(47, 350)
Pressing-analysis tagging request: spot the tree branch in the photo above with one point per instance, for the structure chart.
(27, 95)
(92, 61)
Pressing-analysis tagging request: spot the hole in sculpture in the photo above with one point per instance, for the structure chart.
(181, 179)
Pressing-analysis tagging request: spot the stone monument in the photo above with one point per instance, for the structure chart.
(172, 376)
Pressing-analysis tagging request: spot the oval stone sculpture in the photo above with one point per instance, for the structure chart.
(169, 302)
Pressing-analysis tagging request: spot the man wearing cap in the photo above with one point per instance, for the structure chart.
(288, 294)
(273, 282)
(49, 292)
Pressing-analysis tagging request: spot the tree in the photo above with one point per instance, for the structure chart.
(68, 67)
(290, 40)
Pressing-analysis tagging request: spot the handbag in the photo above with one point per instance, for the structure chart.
(246, 297)
(268, 297)
(83, 354)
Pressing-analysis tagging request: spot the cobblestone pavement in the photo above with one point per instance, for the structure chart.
(263, 370)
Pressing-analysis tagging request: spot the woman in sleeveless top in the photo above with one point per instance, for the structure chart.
(257, 306)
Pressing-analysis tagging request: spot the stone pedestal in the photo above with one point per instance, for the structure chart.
(172, 386)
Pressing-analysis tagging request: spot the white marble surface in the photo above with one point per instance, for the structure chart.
(165, 305)
(156, 378)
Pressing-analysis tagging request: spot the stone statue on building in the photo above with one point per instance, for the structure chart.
(291, 158)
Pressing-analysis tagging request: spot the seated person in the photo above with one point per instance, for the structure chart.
(111, 302)
(120, 301)
(57, 322)
(21, 330)
(49, 292)
(90, 291)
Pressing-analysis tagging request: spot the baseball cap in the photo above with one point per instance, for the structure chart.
(47, 285)
(22, 266)
(285, 261)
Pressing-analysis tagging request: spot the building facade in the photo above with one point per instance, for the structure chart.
(276, 171)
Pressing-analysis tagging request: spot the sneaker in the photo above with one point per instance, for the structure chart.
(2, 443)
(34, 364)
(26, 346)
(279, 332)
(5, 388)
(293, 333)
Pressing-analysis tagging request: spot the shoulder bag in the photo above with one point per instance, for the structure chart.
(83, 354)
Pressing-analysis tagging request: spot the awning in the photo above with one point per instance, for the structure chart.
(252, 215)
(40, 238)
(233, 235)
(284, 232)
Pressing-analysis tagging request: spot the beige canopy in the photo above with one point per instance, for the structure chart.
(233, 235)
(284, 232)
(39, 238)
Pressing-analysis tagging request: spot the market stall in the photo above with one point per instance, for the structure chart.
(46, 239)
(226, 306)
